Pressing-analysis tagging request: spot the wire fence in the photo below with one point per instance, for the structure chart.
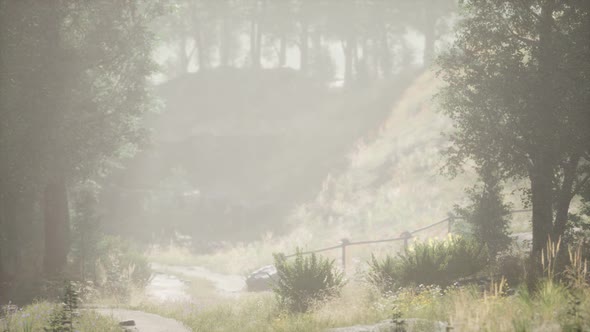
(405, 237)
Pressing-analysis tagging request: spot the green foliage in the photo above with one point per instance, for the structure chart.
(38, 317)
(429, 263)
(487, 214)
(512, 264)
(305, 281)
(578, 233)
(382, 274)
(62, 317)
(120, 267)
(505, 79)
(72, 93)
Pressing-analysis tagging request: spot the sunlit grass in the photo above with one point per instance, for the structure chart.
(261, 312)
(467, 309)
(35, 317)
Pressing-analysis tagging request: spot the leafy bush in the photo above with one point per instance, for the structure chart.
(306, 280)
(119, 267)
(512, 264)
(429, 263)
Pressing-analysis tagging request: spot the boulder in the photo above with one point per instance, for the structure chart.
(262, 279)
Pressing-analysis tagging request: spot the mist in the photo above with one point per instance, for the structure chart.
(294, 165)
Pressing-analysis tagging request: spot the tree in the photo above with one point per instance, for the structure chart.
(427, 16)
(518, 89)
(74, 85)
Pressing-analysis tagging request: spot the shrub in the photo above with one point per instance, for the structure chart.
(62, 317)
(305, 280)
(429, 263)
(382, 273)
(512, 264)
(487, 216)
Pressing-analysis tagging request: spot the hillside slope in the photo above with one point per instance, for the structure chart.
(393, 181)
(235, 150)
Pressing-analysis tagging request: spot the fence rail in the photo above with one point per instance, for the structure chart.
(405, 236)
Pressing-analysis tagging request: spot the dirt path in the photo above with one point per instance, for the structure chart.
(226, 285)
(167, 286)
(145, 322)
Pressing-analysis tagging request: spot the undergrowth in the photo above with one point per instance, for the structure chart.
(553, 308)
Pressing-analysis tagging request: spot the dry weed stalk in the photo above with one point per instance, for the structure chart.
(549, 257)
(576, 272)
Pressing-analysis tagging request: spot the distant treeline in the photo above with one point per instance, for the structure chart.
(369, 33)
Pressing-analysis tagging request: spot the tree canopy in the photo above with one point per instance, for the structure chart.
(518, 89)
(72, 90)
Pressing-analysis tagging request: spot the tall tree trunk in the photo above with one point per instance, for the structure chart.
(283, 51)
(566, 193)
(203, 57)
(11, 232)
(316, 47)
(255, 44)
(304, 48)
(543, 169)
(542, 204)
(57, 226)
(200, 47)
(385, 58)
(183, 58)
(349, 56)
(2, 233)
(258, 59)
(224, 47)
(252, 42)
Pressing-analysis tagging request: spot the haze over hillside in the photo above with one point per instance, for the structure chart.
(254, 156)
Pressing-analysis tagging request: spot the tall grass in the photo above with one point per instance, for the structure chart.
(35, 317)
(553, 308)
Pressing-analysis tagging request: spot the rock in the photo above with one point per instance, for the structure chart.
(401, 325)
(127, 323)
(262, 279)
(8, 309)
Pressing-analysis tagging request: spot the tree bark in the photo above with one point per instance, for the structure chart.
(57, 226)
(542, 201)
(565, 196)
(542, 172)
(2, 233)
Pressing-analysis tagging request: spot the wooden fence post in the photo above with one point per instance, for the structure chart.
(406, 236)
(344, 243)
